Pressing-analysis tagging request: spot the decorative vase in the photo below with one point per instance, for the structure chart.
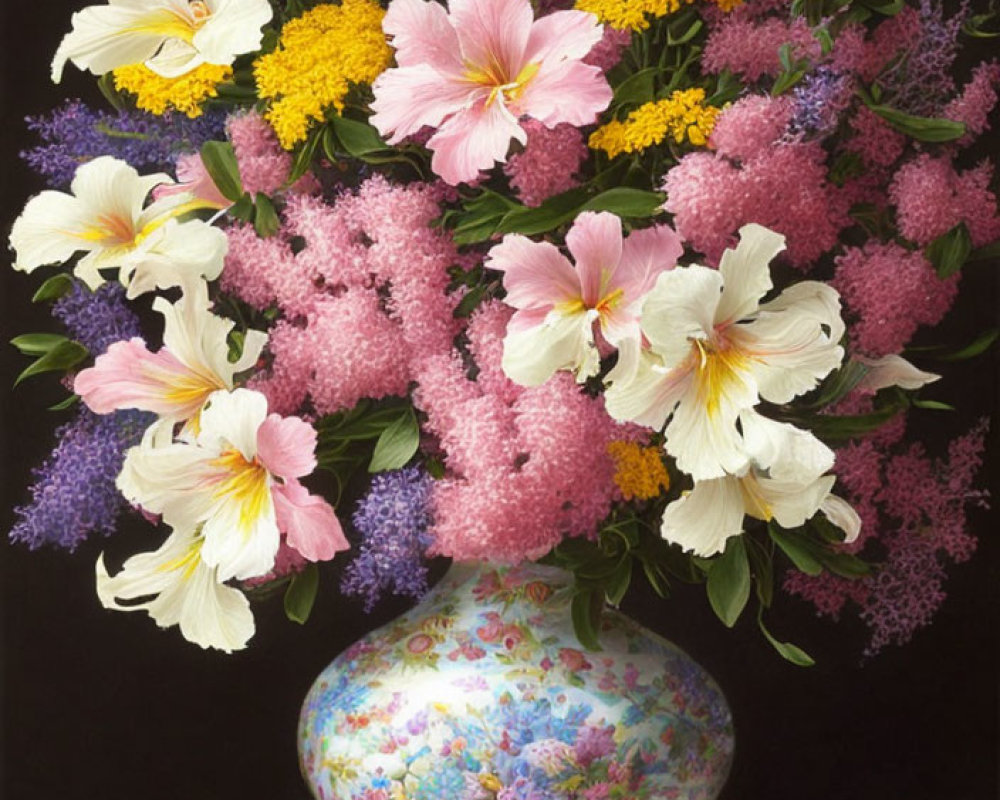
(482, 692)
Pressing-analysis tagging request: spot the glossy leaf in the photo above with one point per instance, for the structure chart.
(729, 582)
(301, 594)
(786, 650)
(797, 550)
(397, 444)
(265, 219)
(949, 251)
(585, 611)
(60, 358)
(53, 288)
(37, 344)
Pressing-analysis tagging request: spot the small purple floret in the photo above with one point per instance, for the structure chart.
(97, 319)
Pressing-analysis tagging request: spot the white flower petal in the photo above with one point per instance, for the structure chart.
(562, 341)
(787, 452)
(168, 480)
(842, 514)
(817, 301)
(703, 519)
(892, 370)
(680, 307)
(49, 231)
(233, 27)
(241, 535)
(645, 392)
(231, 420)
(746, 272)
(791, 503)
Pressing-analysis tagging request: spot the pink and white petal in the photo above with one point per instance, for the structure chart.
(646, 392)
(620, 324)
(196, 337)
(129, 376)
(536, 274)
(239, 544)
(746, 273)
(679, 309)
(422, 34)
(286, 446)
(789, 354)
(595, 242)
(526, 318)
(308, 522)
(645, 254)
(231, 420)
(702, 436)
(565, 91)
(562, 35)
(794, 502)
(409, 98)
(786, 452)
(563, 341)
(842, 514)
(818, 301)
(703, 520)
(892, 370)
(493, 32)
(472, 140)
(174, 480)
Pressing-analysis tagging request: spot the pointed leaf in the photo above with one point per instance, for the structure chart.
(798, 551)
(786, 650)
(301, 594)
(265, 219)
(37, 344)
(950, 250)
(397, 444)
(358, 138)
(220, 162)
(923, 129)
(586, 611)
(53, 288)
(729, 582)
(62, 405)
(60, 358)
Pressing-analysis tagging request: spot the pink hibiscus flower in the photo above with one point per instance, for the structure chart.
(473, 72)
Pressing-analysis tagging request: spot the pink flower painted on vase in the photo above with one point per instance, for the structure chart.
(473, 71)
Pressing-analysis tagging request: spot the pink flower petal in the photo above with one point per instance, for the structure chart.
(408, 98)
(308, 522)
(493, 32)
(129, 376)
(595, 240)
(565, 91)
(645, 254)
(473, 140)
(536, 275)
(422, 33)
(563, 34)
(286, 446)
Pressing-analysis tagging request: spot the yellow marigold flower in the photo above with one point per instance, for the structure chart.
(319, 56)
(157, 94)
(630, 15)
(681, 116)
(639, 471)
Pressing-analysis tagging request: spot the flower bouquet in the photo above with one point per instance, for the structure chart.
(631, 290)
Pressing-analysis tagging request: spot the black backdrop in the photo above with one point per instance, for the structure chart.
(99, 704)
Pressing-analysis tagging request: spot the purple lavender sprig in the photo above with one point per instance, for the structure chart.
(392, 519)
(75, 133)
(97, 319)
(74, 492)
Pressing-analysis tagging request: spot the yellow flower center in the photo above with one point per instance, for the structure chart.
(495, 78)
(187, 562)
(718, 368)
(246, 483)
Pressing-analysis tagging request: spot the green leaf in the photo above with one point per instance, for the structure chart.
(839, 384)
(618, 583)
(762, 567)
(831, 428)
(106, 85)
(242, 209)
(53, 288)
(636, 89)
(798, 551)
(887, 8)
(729, 582)
(60, 358)
(358, 138)
(949, 251)
(470, 302)
(301, 594)
(220, 162)
(923, 129)
(981, 344)
(657, 579)
(37, 344)
(626, 202)
(683, 38)
(585, 611)
(786, 650)
(304, 157)
(843, 564)
(397, 444)
(62, 405)
(932, 405)
(265, 219)
(988, 252)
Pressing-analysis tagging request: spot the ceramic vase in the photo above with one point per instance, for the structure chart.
(482, 692)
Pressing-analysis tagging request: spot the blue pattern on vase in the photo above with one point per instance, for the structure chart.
(482, 692)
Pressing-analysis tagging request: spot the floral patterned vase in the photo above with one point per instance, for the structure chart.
(482, 692)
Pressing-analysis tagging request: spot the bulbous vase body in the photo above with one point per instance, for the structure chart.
(482, 692)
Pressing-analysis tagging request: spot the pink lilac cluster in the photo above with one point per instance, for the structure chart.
(548, 163)
(264, 164)
(362, 285)
(754, 175)
(606, 54)
(978, 98)
(931, 198)
(546, 446)
(748, 46)
(874, 140)
(916, 509)
(889, 292)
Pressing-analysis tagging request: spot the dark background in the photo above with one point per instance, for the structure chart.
(99, 704)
